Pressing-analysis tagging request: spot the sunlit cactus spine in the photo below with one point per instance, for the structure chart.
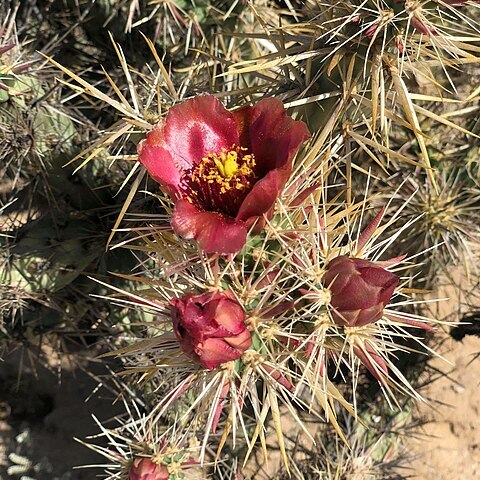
(369, 64)
(442, 223)
(271, 320)
(35, 127)
(272, 283)
(376, 450)
(139, 449)
(53, 226)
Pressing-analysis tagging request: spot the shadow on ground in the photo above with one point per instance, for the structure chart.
(41, 411)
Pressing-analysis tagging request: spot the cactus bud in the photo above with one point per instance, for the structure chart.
(210, 327)
(360, 289)
(145, 469)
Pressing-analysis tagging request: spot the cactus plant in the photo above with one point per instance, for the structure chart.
(294, 175)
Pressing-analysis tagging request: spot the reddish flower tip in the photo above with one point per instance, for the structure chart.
(223, 169)
(372, 361)
(210, 327)
(145, 469)
(359, 289)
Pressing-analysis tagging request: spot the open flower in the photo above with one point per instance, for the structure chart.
(223, 169)
(210, 327)
(359, 289)
(145, 469)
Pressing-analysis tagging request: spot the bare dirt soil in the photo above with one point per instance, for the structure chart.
(41, 413)
(449, 445)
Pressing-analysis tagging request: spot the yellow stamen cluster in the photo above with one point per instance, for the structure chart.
(229, 168)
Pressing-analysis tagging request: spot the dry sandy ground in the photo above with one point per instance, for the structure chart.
(450, 446)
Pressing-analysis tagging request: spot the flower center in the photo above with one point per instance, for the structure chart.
(221, 181)
(227, 163)
(229, 169)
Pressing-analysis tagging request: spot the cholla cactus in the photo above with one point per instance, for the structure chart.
(33, 129)
(376, 451)
(141, 450)
(363, 61)
(270, 280)
(53, 231)
(443, 228)
(183, 24)
(269, 319)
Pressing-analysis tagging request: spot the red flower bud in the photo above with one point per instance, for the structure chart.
(210, 327)
(359, 289)
(145, 469)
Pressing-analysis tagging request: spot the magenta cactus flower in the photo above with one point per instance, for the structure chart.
(145, 469)
(359, 289)
(210, 327)
(223, 169)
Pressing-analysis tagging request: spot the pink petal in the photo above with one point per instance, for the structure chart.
(159, 163)
(214, 232)
(275, 137)
(197, 322)
(304, 194)
(262, 197)
(369, 315)
(371, 30)
(199, 126)
(372, 361)
(339, 265)
(177, 313)
(421, 27)
(215, 351)
(336, 281)
(145, 469)
(379, 277)
(230, 316)
(242, 118)
(370, 230)
(345, 318)
(355, 294)
(391, 261)
(410, 322)
(241, 342)
(274, 374)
